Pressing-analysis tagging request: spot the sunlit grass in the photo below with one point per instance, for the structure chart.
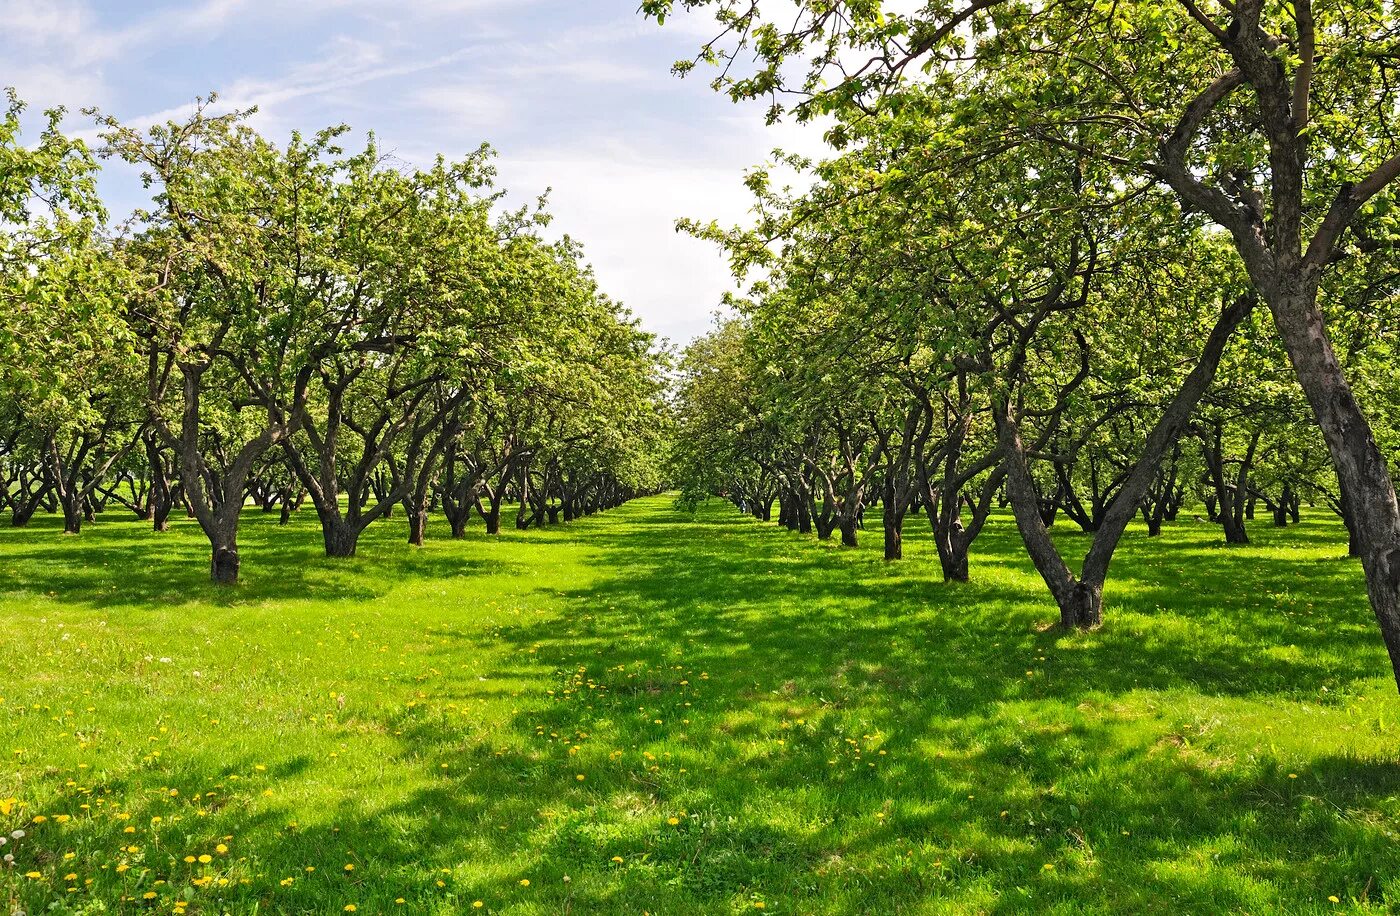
(644, 712)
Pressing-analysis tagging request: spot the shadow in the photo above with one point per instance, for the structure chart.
(828, 731)
(121, 562)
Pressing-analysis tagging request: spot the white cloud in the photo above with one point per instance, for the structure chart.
(624, 212)
(583, 70)
(588, 108)
(464, 104)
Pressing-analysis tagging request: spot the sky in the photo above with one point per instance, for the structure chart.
(576, 95)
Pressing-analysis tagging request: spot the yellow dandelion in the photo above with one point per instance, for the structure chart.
(350, 908)
(617, 859)
(349, 866)
(205, 859)
(1334, 899)
(673, 821)
(524, 882)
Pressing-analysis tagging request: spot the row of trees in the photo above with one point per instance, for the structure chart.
(1090, 259)
(298, 323)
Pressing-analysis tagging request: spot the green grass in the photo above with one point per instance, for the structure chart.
(757, 718)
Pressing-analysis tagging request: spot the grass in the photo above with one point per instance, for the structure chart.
(645, 712)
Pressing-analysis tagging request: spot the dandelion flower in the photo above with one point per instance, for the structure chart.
(524, 882)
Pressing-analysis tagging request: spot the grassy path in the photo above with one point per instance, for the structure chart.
(644, 712)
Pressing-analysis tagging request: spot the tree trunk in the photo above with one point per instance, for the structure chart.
(952, 554)
(1360, 466)
(417, 524)
(893, 518)
(1084, 611)
(23, 512)
(458, 521)
(1349, 519)
(1230, 517)
(223, 563)
(1081, 599)
(73, 516)
(493, 515)
(341, 539)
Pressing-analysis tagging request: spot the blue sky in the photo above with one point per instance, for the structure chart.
(575, 95)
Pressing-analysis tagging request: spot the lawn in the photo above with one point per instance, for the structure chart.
(645, 711)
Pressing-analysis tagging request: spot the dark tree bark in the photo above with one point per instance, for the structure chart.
(1080, 599)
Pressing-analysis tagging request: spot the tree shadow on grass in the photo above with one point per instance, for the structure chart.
(1147, 826)
(761, 600)
(120, 562)
(835, 734)
(782, 697)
